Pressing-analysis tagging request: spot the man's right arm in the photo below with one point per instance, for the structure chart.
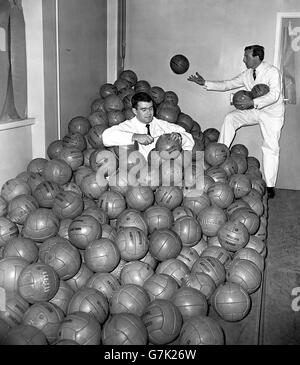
(123, 134)
(225, 85)
(144, 139)
(117, 135)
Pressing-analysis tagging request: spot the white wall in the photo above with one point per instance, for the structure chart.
(20, 141)
(15, 148)
(35, 73)
(112, 40)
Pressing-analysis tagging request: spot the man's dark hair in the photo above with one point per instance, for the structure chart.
(140, 97)
(256, 51)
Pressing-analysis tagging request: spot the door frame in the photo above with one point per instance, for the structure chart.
(277, 51)
(279, 18)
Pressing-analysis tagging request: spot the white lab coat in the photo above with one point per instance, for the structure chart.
(121, 134)
(268, 112)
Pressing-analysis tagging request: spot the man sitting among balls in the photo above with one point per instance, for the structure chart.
(145, 128)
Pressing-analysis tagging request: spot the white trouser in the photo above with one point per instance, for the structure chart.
(270, 127)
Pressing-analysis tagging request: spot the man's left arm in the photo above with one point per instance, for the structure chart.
(274, 81)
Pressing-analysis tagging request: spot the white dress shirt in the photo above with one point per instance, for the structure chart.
(267, 74)
(121, 134)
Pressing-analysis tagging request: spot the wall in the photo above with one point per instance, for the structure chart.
(35, 74)
(74, 35)
(15, 148)
(82, 44)
(51, 106)
(112, 40)
(20, 141)
(212, 34)
(82, 56)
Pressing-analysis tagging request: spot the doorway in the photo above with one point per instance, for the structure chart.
(287, 59)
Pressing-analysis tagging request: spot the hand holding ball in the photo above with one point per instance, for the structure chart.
(259, 90)
(242, 100)
(169, 145)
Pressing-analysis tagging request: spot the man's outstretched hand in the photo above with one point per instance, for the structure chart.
(198, 79)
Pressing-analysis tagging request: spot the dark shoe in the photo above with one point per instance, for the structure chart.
(271, 192)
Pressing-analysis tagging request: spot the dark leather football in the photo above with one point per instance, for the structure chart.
(259, 90)
(241, 96)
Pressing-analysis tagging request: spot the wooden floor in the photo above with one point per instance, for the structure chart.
(274, 318)
(280, 317)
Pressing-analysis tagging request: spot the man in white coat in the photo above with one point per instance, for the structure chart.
(266, 110)
(144, 128)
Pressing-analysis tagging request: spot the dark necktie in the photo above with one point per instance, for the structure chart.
(254, 74)
(148, 129)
